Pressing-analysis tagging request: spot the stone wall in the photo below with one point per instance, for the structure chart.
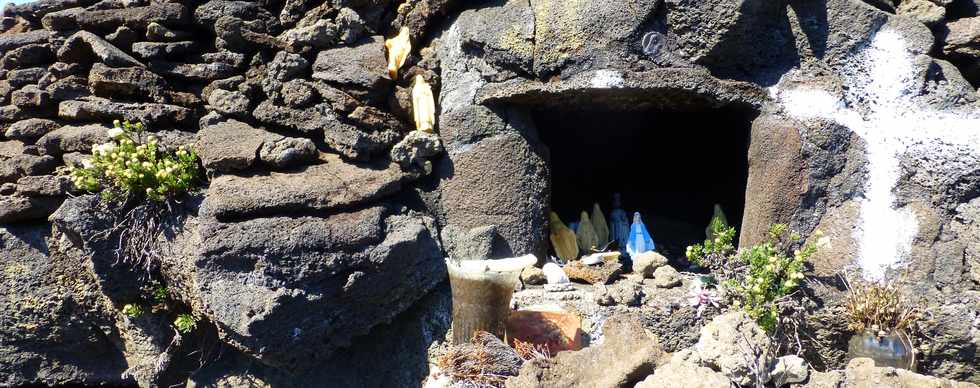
(319, 229)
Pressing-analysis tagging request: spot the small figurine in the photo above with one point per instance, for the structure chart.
(423, 105)
(720, 219)
(562, 239)
(639, 240)
(398, 49)
(585, 234)
(619, 224)
(599, 224)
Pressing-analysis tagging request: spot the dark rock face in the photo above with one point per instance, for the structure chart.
(311, 253)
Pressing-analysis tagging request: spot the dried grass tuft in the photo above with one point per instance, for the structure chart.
(484, 362)
(879, 308)
(529, 351)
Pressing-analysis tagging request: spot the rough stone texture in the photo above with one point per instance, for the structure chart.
(55, 330)
(627, 354)
(604, 273)
(666, 277)
(329, 185)
(862, 373)
(73, 139)
(30, 129)
(725, 345)
(86, 47)
(679, 372)
(647, 263)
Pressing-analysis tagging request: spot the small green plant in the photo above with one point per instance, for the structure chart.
(160, 294)
(132, 310)
(713, 252)
(185, 323)
(770, 274)
(131, 163)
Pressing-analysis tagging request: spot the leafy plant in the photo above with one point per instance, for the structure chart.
(185, 323)
(770, 274)
(879, 308)
(132, 310)
(160, 294)
(713, 252)
(132, 163)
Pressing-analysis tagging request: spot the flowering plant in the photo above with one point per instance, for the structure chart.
(128, 164)
(701, 296)
(771, 274)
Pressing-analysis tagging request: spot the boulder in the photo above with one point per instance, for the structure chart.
(30, 97)
(736, 346)
(30, 129)
(18, 166)
(230, 146)
(283, 152)
(320, 35)
(647, 263)
(55, 328)
(666, 277)
(343, 138)
(127, 82)
(21, 77)
(627, 354)
(963, 40)
(15, 208)
(27, 56)
(69, 88)
(12, 41)
(85, 47)
(862, 373)
(360, 66)
(682, 373)
(164, 50)
(623, 292)
(605, 272)
(416, 149)
(927, 12)
(312, 188)
(44, 185)
(233, 104)
(101, 109)
(193, 71)
(790, 369)
(71, 138)
(137, 18)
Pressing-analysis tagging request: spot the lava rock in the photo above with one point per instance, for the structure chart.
(30, 97)
(925, 11)
(963, 40)
(30, 129)
(234, 104)
(647, 263)
(666, 277)
(626, 355)
(284, 152)
(164, 50)
(680, 372)
(230, 146)
(27, 56)
(19, 166)
(157, 32)
(193, 71)
(131, 82)
(123, 37)
(723, 342)
(73, 139)
(85, 47)
(415, 150)
(104, 110)
(21, 77)
(320, 35)
(361, 66)
(604, 273)
(12, 41)
(137, 18)
(43, 185)
(790, 369)
(312, 188)
(624, 292)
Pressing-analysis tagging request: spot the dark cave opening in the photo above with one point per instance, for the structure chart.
(671, 166)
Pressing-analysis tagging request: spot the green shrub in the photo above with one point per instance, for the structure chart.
(715, 249)
(185, 323)
(132, 310)
(133, 164)
(771, 273)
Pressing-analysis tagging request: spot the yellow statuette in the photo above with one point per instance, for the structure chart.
(587, 240)
(423, 105)
(398, 49)
(562, 239)
(600, 226)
